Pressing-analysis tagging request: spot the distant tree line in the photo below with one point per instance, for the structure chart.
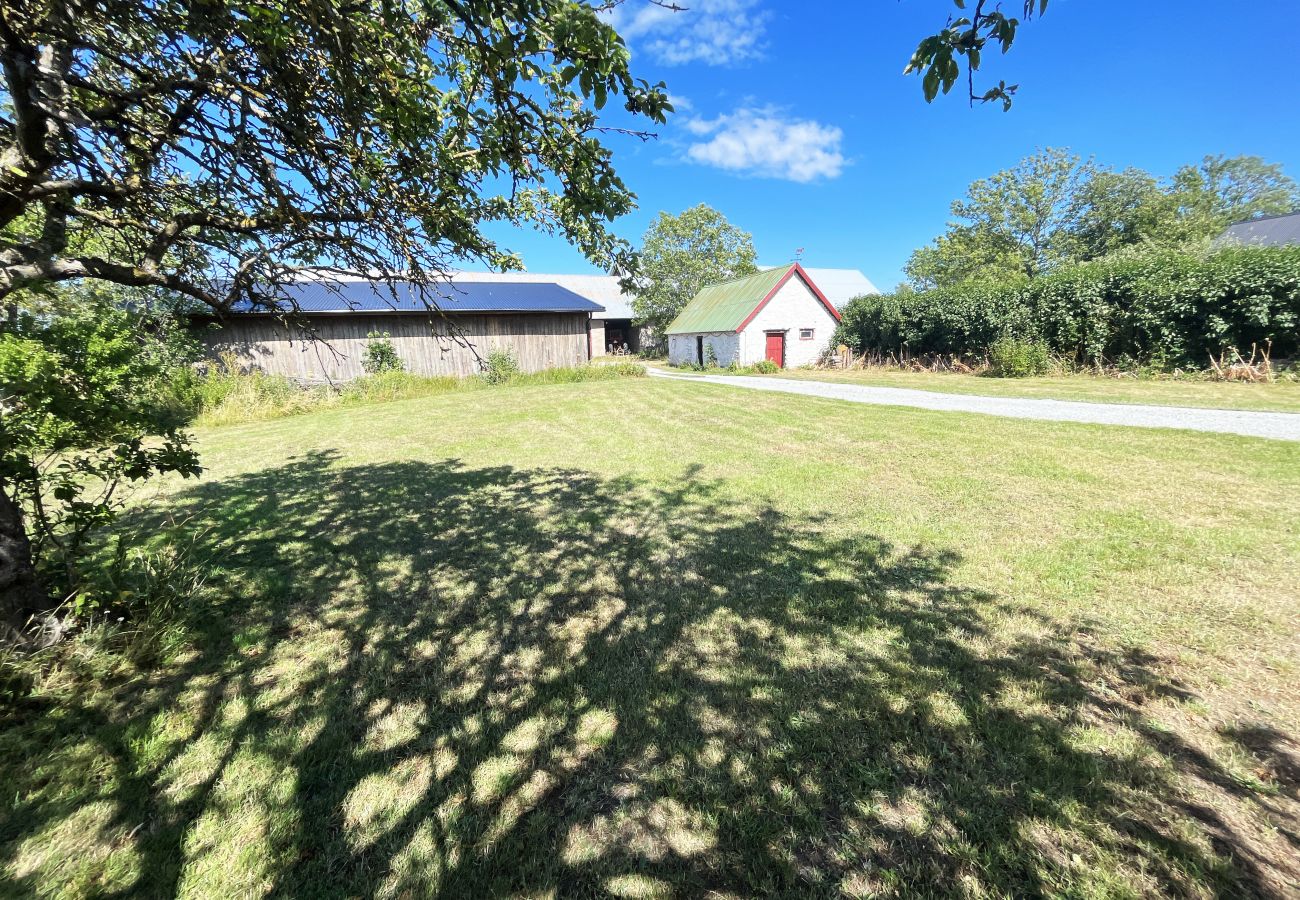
(1054, 209)
(1097, 266)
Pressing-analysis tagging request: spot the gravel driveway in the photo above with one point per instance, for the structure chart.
(1279, 426)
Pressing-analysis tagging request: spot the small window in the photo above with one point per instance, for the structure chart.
(805, 334)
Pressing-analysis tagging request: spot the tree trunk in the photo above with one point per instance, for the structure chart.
(21, 596)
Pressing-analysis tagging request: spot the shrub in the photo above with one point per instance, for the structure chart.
(380, 356)
(766, 367)
(501, 366)
(1014, 358)
(88, 405)
(1162, 309)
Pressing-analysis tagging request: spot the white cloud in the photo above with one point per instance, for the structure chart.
(714, 32)
(766, 143)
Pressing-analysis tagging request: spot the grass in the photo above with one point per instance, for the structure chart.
(223, 398)
(648, 638)
(1277, 396)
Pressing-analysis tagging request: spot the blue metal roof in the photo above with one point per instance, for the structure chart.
(454, 297)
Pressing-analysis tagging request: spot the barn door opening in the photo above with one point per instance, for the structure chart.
(699, 350)
(776, 347)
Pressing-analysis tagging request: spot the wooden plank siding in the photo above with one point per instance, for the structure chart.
(539, 341)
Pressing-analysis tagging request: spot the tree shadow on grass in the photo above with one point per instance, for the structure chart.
(430, 679)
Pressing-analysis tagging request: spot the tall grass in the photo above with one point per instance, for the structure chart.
(226, 397)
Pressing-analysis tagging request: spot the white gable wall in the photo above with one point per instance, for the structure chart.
(684, 351)
(794, 307)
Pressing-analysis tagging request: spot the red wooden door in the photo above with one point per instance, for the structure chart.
(776, 348)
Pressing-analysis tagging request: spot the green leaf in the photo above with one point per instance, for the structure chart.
(931, 83)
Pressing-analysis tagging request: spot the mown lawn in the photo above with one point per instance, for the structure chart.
(1278, 396)
(647, 638)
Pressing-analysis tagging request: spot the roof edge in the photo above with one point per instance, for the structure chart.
(795, 269)
(1285, 215)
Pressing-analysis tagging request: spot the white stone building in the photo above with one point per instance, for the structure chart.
(778, 314)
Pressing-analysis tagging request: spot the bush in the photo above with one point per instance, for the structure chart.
(766, 367)
(1013, 358)
(1163, 309)
(501, 366)
(380, 356)
(87, 404)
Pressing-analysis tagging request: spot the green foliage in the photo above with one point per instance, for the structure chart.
(1221, 190)
(1054, 209)
(501, 366)
(1014, 358)
(380, 355)
(1111, 211)
(938, 57)
(1163, 308)
(250, 139)
(681, 254)
(766, 367)
(89, 402)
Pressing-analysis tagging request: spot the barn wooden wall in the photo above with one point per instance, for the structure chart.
(539, 340)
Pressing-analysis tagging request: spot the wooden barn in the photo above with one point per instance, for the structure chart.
(545, 325)
(777, 314)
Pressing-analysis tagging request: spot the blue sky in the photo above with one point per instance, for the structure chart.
(799, 126)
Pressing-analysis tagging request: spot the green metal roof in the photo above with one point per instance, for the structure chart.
(724, 306)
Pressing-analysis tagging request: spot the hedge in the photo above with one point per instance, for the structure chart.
(1166, 309)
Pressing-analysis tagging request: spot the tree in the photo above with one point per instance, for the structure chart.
(963, 255)
(1055, 208)
(681, 254)
(1011, 224)
(1114, 210)
(223, 144)
(1221, 190)
(85, 404)
(938, 57)
(216, 148)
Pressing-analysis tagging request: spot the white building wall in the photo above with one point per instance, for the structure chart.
(793, 308)
(683, 349)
